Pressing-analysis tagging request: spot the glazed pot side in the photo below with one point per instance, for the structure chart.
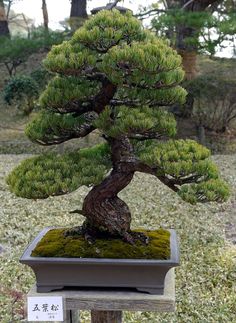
(57, 273)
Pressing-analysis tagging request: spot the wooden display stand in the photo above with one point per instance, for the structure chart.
(106, 306)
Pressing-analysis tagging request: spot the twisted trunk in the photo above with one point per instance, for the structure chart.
(103, 209)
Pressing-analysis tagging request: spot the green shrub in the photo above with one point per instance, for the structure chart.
(41, 77)
(21, 91)
(214, 101)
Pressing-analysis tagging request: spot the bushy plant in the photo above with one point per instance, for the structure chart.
(214, 101)
(21, 91)
(41, 77)
(114, 76)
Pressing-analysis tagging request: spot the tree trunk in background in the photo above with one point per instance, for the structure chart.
(189, 62)
(78, 13)
(45, 15)
(189, 51)
(78, 9)
(201, 134)
(4, 30)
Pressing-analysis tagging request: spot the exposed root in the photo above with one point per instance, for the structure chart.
(90, 234)
(133, 237)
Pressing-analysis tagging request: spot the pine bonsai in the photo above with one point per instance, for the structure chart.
(116, 77)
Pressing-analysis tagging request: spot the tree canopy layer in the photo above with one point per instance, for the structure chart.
(116, 77)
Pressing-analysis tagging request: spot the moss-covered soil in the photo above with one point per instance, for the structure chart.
(56, 244)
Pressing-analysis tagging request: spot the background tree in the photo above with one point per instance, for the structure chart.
(45, 15)
(114, 76)
(78, 13)
(194, 26)
(14, 52)
(18, 23)
(4, 30)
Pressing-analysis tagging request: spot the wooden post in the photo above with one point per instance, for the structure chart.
(106, 317)
(72, 316)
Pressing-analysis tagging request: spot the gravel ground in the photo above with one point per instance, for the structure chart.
(205, 281)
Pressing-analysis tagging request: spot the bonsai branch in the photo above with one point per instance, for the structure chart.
(145, 135)
(52, 139)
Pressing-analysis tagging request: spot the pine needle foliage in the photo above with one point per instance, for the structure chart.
(63, 90)
(136, 121)
(162, 97)
(52, 174)
(107, 30)
(115, 76)
(185, 162)
(48, 126)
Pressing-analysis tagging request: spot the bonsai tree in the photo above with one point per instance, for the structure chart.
(116, 77)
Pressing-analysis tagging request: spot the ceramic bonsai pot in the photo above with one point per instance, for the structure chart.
(56, 273)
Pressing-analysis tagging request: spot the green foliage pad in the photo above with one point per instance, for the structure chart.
(55, 244)
(50, 174)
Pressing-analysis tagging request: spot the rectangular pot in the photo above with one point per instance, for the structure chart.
(56, 273)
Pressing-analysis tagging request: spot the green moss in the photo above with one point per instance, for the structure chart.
(55, 244)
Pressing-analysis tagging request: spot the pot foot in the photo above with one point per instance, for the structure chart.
(152, 291)
(47, 289)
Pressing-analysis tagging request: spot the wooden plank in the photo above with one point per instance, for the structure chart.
(113, 300)
(106, 317)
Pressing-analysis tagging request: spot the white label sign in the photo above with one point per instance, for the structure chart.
(49, 308)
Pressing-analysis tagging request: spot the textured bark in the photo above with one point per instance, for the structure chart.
(78, 9)
(189, 61)
(4, 30)
(103, 209)
(45, 15)
(104, 96)
(78, 14)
